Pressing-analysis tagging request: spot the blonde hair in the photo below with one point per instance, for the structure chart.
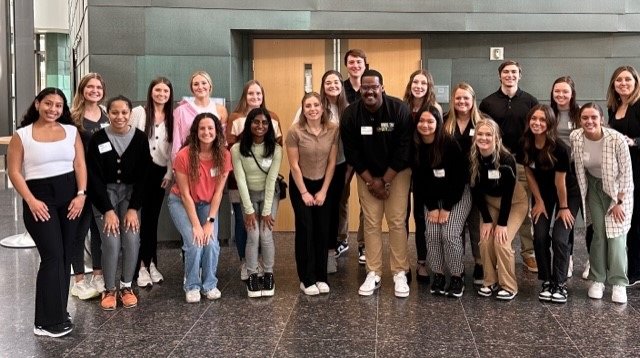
(79, 103)
(499, 150)
(452, 117)
(206, 77)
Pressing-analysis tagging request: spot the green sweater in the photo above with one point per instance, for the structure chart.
(250, 177)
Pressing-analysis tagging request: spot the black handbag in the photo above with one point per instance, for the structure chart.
(281, 184)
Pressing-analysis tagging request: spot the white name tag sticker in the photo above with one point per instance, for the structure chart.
(472, 132)
(266, 162)
(570, 125)
(366, 130)
(104, 125)
(213, 172)
(438, 173)
(494, 174)
(105, 147)
(586, 157)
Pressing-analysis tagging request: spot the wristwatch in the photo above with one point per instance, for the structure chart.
(81, 192)
(619, 202)
(211, 219)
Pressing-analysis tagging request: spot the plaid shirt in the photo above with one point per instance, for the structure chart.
(617, 176)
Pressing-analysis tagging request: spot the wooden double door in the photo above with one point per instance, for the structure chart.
(279, 64)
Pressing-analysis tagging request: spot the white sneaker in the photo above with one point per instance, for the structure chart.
(213, 294)
(84, 290)
(570, 270)
(332, 263)
(97, 281)
(244, 274)
(156, 276)
(401, 286)
(371, 283)
(193, 296)
(144, 279)
(309, 291)
(597, 290)
(585, 273)
(323, 287)
(619, 294)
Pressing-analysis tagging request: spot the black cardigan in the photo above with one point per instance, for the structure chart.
(108, 167)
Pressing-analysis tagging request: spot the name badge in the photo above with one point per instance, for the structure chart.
(104, 125)
(438, 173)
(386, 127)
(472, 132)
(570, 125)
(366, 130)
(104, 147)
(494, 174)
(266, 162)
(213, 172)
(586, 156)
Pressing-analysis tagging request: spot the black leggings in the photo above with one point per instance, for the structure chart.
(54, 239)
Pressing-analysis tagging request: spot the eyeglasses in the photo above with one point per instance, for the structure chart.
(370, 88)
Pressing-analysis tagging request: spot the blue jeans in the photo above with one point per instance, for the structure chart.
(197, 260)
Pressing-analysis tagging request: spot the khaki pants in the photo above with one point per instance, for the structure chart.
(526, 229)
(501, 256)
(394, 209)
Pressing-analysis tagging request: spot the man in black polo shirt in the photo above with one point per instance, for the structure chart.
(377, 132)
(355, 60)
(509, 106)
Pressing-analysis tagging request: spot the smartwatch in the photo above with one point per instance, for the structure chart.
(211, 219)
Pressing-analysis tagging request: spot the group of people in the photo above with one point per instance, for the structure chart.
(504, 167)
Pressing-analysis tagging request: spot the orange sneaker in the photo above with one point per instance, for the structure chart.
(108, 301)
(128, 298)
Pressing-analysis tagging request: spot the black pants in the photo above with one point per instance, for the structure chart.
(86, 222)
(333, 200)
(54, 239)
(421, 226)
(312, 234)
(149, 215)
(633, 236)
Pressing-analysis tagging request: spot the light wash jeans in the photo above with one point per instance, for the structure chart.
(200, 263)
(260, 237)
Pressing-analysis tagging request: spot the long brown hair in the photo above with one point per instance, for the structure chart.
(302, 120)
(341, 101)
(546, 157)
(149, 109)
(217, 149)
(78, 105)
(613, 98)
(429, 98)
(243, 107)
(574, 108)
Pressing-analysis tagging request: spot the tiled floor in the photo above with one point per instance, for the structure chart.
(340, 324)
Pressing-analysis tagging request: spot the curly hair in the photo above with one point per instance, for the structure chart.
(545, 157)
(33, 115)
(246, 139)
(499, 151)
(193, 143)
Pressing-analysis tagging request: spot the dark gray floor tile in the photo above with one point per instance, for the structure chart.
(427, 348)
(310, 347)
(611, 351)
(198, 346)
(23, 343)
(528, 350)
(116, 344)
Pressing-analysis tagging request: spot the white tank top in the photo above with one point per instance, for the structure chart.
(47, 159)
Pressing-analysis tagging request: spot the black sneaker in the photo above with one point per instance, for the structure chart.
(546, 291)
(478, 274)
(253, 286)
(560, 293)
(456, 287)
(437, 287)
(342, 247)
(362, 259)
(268, 284)
(56, 330)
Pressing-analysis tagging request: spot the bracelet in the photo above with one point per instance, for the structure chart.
(306, 192)
(564, 208)
(81, 193)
